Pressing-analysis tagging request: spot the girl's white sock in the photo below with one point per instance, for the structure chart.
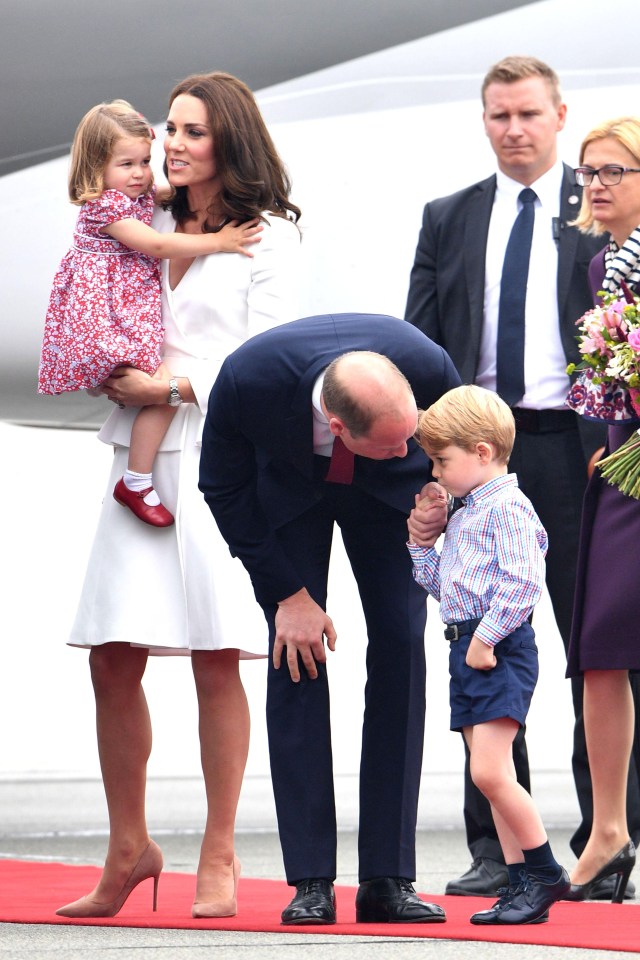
(140, 481)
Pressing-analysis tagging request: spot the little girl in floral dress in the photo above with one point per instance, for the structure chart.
(105, 307)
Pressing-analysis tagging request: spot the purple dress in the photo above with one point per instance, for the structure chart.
(605, 633)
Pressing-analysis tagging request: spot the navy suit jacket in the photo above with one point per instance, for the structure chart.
(258, 469)
(446, 293)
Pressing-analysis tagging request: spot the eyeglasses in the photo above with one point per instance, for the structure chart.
(609, 175)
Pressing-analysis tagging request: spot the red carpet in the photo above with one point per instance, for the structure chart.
(30, 893)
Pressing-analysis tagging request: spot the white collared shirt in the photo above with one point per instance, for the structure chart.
(322, 436)
(546, 382)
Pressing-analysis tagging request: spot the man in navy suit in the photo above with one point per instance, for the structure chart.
(286, 404)
(454, 298)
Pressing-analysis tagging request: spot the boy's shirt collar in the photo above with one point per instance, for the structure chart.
(489, 489)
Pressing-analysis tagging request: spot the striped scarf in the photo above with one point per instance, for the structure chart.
(622, 264)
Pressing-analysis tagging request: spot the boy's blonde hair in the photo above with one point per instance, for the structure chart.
(465, 416)
(92, 148)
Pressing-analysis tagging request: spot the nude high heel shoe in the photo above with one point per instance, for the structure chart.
(222, 908)
(149, 865)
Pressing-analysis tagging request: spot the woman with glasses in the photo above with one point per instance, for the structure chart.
(605, 641)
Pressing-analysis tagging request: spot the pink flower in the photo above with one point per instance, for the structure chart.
(618, 306)
(593, 343)
(585, 318)
(614, 322)
(634, 340)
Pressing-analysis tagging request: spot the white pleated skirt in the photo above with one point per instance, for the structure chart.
(173, 589)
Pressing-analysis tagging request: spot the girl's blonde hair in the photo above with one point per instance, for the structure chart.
(464, 417)
(93, 144)
(626, 130)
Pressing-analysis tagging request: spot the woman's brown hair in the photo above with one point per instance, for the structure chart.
(252, 175)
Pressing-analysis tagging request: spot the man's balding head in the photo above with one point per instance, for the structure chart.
(369, 404)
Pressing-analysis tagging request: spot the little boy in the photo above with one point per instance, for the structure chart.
(488, 579)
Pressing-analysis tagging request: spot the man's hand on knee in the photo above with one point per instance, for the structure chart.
(301, 625)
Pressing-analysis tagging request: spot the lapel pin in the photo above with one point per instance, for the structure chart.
(573, 199)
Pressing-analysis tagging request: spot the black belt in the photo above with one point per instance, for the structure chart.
(543, 421)
(453, 631)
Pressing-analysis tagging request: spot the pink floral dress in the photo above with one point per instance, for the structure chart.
(104, 308)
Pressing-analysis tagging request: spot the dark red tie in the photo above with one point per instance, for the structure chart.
(341, 466)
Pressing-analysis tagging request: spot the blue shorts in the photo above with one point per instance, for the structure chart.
(477, 696)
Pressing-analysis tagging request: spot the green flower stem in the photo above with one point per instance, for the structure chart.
(622, 467)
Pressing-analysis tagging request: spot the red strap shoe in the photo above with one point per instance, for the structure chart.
(157, 516)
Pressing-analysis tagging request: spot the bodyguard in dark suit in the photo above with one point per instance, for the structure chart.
(455, 297)
(273, 424)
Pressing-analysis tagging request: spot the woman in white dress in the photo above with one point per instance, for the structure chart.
(176, 590)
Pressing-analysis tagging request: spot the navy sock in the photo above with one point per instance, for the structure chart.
(541, 864)
(515, 869)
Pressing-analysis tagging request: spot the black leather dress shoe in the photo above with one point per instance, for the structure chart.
(393, 900)
(483, 879)
(314, 903)
(528, 902)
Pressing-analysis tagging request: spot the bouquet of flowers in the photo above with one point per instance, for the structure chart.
(608, 383)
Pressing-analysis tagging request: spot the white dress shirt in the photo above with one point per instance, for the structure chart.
(322, 436)
(546, 382)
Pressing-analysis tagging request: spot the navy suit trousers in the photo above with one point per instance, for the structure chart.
(298, 718)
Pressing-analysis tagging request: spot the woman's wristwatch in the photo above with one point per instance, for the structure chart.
(174, 394)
